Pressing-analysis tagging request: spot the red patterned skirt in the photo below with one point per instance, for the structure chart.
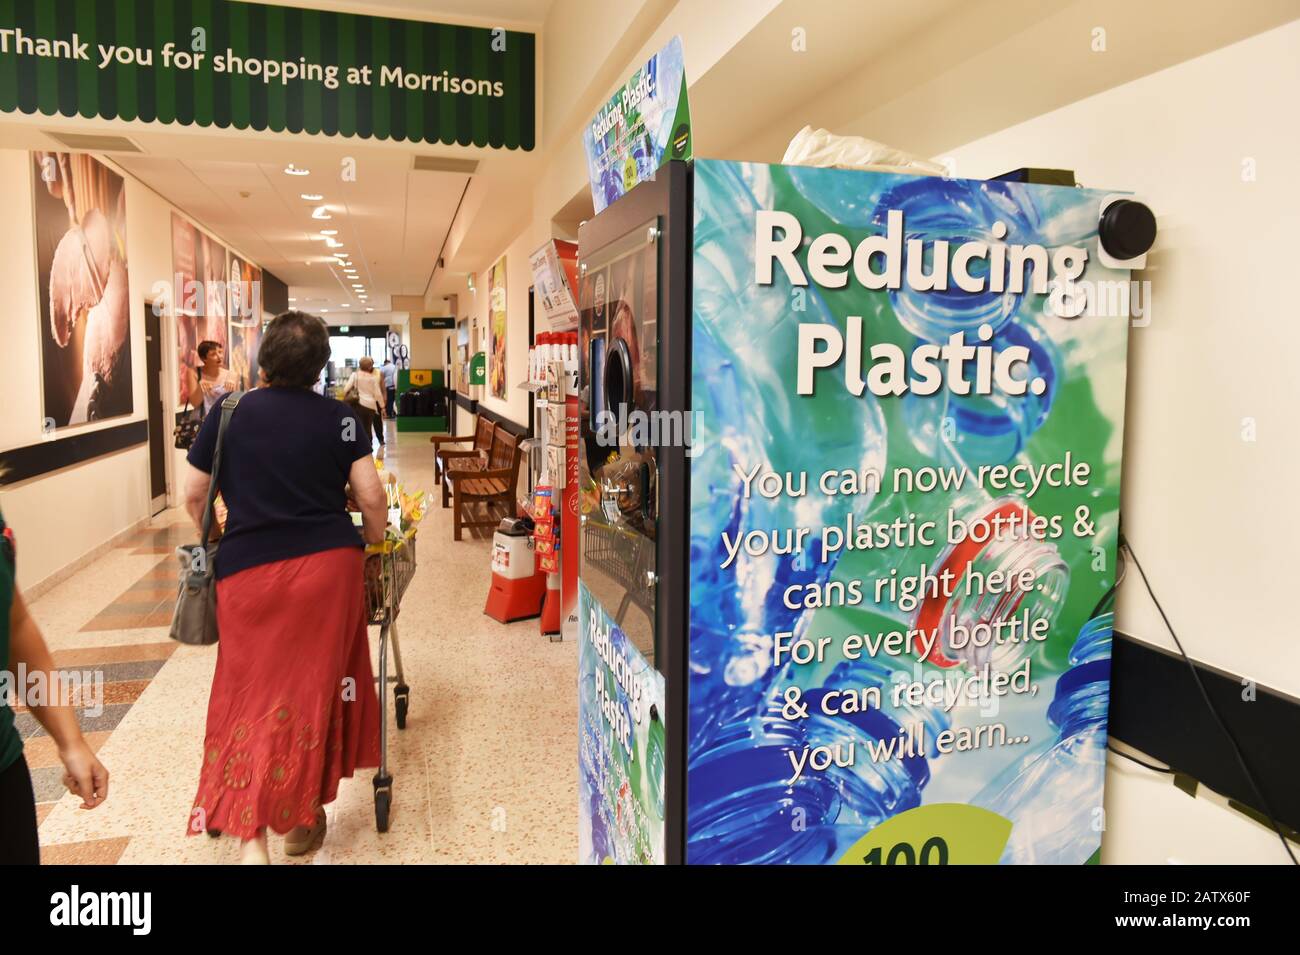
(293, 707)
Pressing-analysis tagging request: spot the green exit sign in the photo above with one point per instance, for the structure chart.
(433, 324)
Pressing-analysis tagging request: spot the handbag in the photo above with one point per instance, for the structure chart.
(188, 423)
(352, 393)
(194, 620)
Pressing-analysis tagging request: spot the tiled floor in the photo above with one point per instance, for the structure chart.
(484, 772)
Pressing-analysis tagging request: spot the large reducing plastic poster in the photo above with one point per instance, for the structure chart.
(620, 744)
(908, 402)
(643, 125)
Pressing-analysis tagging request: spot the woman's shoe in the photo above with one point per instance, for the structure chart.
(301, 839)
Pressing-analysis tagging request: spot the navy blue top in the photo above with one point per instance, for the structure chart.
(284, 467)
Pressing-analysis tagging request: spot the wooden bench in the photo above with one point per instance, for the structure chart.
(490, 486)
(478, 451)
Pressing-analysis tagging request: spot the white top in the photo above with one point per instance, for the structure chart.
(370, 388)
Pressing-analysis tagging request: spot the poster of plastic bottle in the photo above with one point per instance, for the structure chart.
(497, 324)
(909, 403)
(644, 124)
(620, 745)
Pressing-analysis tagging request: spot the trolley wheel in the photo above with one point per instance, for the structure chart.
(383, 801)
(556, 637)
(402, 700)
(214, 833)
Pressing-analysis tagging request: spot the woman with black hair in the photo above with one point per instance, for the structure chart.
(293, 707)
(210, 382)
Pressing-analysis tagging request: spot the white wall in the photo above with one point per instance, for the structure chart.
(428, 346)
(62, 516)
(519, 278)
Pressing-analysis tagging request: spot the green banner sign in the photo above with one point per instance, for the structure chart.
(252, 66)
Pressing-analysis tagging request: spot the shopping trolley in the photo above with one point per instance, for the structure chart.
(389, 568)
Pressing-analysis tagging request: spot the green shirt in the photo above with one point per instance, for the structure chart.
(11, 745)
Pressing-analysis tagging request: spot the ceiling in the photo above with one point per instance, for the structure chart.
(390, 218)
(389, 221)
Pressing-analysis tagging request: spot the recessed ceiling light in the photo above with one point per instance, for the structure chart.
(292, 170)
(329, 231)
(321, 212)
(324, 309)
(293, 300)
(311, 196)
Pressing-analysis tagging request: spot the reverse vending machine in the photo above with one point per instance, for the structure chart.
(849, 459)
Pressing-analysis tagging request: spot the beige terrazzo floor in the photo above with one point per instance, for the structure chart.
(484, 772)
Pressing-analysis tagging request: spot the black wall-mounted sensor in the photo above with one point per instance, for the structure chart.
(1127, 229)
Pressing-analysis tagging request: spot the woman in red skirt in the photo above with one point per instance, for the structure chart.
(293, 707)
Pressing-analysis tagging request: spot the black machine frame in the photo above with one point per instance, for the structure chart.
(668, 199)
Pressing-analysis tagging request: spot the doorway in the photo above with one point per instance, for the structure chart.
(157, 435)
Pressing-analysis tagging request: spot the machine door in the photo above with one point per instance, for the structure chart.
(618, 467)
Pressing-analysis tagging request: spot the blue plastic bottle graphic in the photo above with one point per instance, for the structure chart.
(942, 214)
(951, 429)
(745, 809)
(746, 414)
(1053, 796)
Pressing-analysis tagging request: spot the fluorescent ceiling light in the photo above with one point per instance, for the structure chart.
(321, 212)
(292, 170)
(332, 243)
(311, 196)
(329, 231)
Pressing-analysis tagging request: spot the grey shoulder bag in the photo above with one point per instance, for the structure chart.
(194, 621)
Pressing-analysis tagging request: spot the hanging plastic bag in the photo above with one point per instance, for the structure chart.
(820, 147)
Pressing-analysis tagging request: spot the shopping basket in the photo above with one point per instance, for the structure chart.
(389, 568)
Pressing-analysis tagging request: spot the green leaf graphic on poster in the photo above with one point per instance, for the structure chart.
(942, 834)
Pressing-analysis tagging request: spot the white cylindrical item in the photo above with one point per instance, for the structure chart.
(512, 557)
